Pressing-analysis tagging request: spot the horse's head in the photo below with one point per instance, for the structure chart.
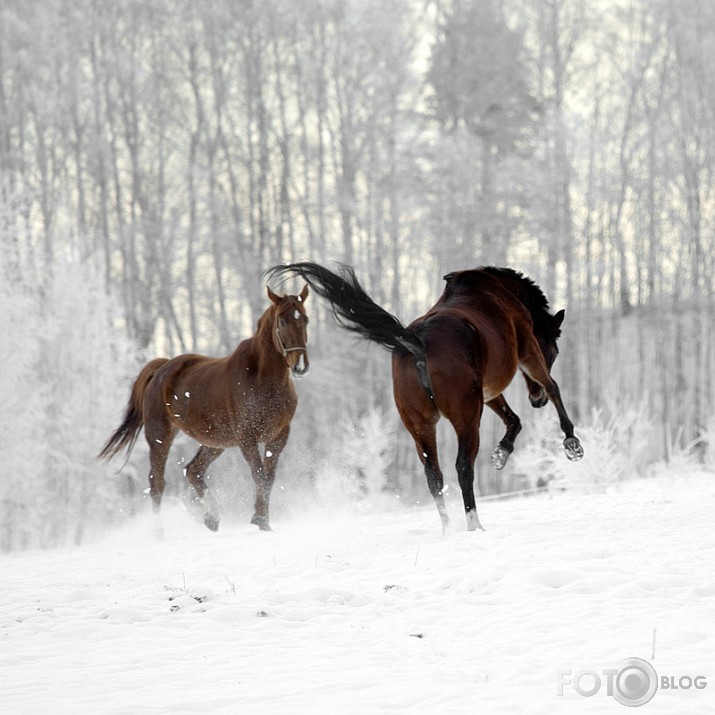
(290, 329)
(547, 335)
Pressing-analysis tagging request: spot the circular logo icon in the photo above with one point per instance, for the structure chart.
(635, 683)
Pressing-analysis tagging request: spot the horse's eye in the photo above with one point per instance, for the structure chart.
(281, 322)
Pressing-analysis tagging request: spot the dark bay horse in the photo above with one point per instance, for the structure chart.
(243, 400)
(459, 356)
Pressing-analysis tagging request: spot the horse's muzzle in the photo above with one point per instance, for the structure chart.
(301, 365)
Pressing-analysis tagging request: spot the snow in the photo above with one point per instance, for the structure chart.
(340, 611)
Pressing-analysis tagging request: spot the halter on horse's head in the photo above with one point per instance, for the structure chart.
(290, 335)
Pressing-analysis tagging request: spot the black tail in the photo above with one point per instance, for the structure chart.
(355, 310)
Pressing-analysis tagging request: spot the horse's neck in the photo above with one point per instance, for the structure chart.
(261, 352)
(530, 300)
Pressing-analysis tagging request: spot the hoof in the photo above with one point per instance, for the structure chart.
(261, 522)
(574, 450)
(500, 456)
(207, 508)
(473, 522)
(211, 522)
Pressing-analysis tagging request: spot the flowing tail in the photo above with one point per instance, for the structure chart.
(127, 433)
(355, 310)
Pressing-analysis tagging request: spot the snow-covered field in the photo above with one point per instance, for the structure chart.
(372, 613)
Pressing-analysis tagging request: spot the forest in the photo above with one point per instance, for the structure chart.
(157, 156)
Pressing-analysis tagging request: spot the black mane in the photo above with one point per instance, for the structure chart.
(526, 290)
(533, 296)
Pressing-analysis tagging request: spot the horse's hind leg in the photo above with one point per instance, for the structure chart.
(426, 443)
(513, 426)
(157, 463)
(195, 471)
(159, 445)
(468, 448)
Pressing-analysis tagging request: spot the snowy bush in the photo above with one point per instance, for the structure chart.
(616, 446)
(681, 457)
(357, 466)
(707, 439)
(63, 383)
(367, 449)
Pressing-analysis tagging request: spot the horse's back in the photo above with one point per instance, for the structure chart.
(186, 390)
(221, 402)
(184, 371)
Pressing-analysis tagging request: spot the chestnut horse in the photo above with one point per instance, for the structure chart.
(459, 356)
(243, 400)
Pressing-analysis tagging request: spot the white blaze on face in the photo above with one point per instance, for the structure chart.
(296, 314)
(300, 365)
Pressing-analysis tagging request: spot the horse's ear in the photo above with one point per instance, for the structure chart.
(275, 298)
(559, 318)
(304, 293)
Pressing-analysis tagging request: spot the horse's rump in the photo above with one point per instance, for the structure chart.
(126, 434)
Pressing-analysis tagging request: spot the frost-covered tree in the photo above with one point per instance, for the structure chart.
(65, 371)
(479, 92)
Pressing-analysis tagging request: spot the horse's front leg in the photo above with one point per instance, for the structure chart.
(195, 472)
(535, 369)
(513, 426)
(574, 450)
(264, 474)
